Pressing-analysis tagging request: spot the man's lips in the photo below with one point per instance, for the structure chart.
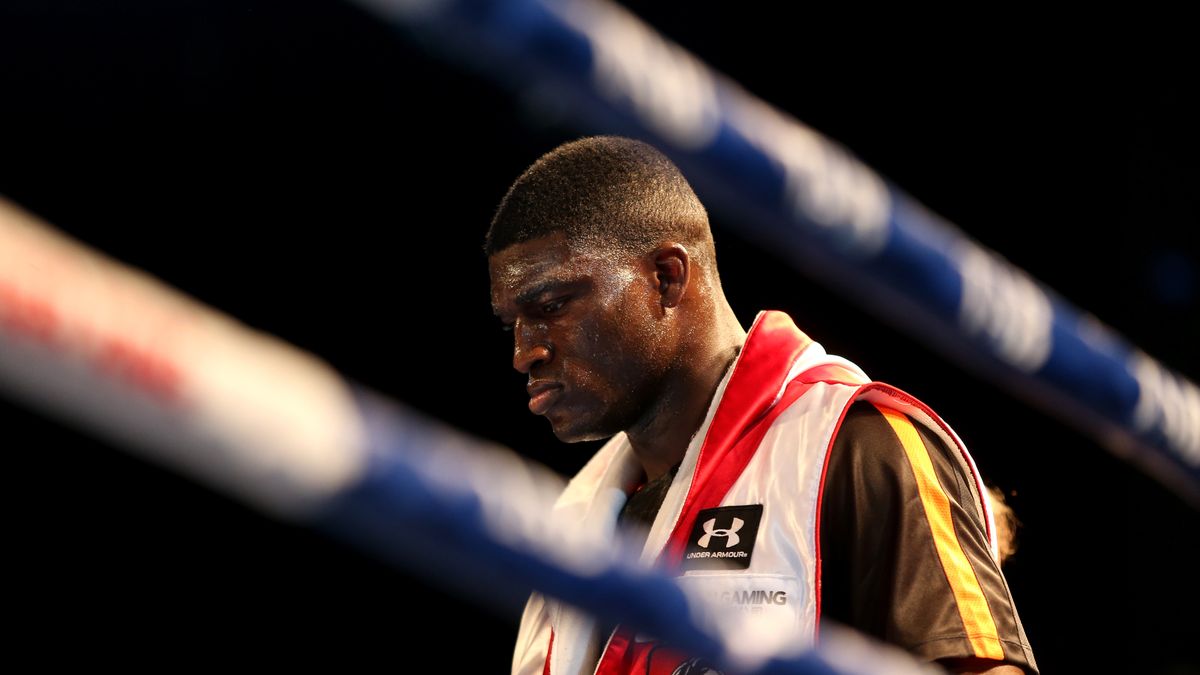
(542, 395)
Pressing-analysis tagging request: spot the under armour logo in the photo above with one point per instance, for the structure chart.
(739, 531)
(730, 533)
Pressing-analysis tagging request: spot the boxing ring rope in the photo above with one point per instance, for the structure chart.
(115, 352)
(808, 199)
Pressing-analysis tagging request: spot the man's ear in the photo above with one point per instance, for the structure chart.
(672, 269)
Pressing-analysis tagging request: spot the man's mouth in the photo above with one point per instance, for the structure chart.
(542, 395)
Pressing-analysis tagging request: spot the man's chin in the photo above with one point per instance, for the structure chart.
(576, 433)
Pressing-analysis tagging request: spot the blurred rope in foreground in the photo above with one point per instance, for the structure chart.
(805, 197)
(115, 352)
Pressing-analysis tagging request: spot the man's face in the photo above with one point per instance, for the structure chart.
(584, 331)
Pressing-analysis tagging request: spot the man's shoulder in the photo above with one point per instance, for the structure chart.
(884, 453)
(867, 447)
(879, 432)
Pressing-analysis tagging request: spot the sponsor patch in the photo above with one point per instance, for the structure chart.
(723, 538)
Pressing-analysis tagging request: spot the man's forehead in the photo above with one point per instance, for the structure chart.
(515, 266)
(518, 283)
(525, 268)
(534, 257)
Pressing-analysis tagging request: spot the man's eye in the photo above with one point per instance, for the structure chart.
(552, 306)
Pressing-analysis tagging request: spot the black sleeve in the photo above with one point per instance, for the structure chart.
(905, 556)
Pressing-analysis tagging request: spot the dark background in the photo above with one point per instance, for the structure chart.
(316, 175)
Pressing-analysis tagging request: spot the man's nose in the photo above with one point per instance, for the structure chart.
(529, 349)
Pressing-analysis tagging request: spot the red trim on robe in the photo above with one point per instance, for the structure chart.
(745, 413)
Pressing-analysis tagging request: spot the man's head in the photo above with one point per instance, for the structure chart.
(602, 264)
(603, 192)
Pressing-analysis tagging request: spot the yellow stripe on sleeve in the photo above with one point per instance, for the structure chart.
(972, 605)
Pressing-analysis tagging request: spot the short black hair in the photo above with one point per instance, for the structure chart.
(606, 191)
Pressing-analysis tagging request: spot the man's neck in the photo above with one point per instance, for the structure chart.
(662, 437)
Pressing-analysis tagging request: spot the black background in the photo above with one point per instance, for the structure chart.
(316, 175)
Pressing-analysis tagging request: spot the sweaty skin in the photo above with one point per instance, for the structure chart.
(614, 342)
(618, 342)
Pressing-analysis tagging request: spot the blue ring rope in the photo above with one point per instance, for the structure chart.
(900, 260)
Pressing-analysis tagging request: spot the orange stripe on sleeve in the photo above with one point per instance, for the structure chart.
(972, 606)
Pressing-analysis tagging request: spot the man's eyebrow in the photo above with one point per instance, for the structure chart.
(546, 283)
(529, 295)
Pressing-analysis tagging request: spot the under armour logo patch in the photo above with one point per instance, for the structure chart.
(723, 538)
(730, 533)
